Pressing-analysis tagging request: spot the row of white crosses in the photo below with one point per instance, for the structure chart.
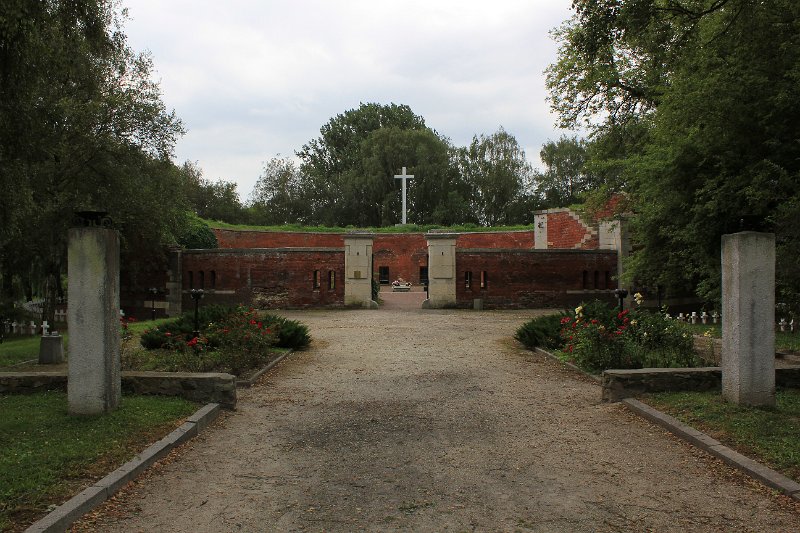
(703, 318)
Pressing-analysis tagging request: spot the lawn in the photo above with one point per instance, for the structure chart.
(769, 435)
(783, 339)
(47, 455)
(20, 349)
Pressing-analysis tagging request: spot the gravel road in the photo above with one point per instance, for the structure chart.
(400, 419)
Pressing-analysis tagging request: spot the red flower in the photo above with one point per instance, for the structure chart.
(565, 320)
(168, 334)
(252, 321)
(192, 342)
(594, 321)
(269, 331)
(259, 325)
(622, 313)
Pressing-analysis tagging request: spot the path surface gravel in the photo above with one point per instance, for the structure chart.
(400, 419)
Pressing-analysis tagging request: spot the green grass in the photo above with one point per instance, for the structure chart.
(408, 228)
(47, 455)
(20, 349)
(769, 435)
(783, 339)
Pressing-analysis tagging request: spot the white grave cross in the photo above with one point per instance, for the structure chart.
(404, 177)
(45, 328)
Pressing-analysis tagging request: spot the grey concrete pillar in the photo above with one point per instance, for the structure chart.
(540, 231)
(441, 270)
(358, 270)
(748, 316)
(93, 385)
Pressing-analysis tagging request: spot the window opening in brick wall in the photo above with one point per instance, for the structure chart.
(191, 279)
(316, 279)
(202, 276)
(331, 279)
(596, 279)
(585, 279)
(467, 279)
(484, 279)
(213, 279)
(383, 274)
(608, 279)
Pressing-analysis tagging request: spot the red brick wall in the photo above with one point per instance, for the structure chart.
(507, 239)
(564, 232)
(267, 279)
(228, 238)
(403, 253)
(135, 298)
(534, 278)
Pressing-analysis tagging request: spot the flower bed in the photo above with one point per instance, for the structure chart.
(232, 340)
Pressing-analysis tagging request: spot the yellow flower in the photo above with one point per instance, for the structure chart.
(579, 310)
(634, 322)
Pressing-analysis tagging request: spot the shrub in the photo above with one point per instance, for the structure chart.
(597, 337)
(542, 331)
(291, 333)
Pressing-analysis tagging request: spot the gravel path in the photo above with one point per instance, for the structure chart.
(436, 421)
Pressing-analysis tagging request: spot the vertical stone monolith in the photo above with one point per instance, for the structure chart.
(93, 385)
(358, 270)
(748, 316)
(441, 270)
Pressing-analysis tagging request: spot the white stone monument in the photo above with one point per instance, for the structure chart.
(441, 271)
(94, 384)
(358, 270)
(404, 177)
(748, 316)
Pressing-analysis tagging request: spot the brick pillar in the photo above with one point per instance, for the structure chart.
(441, 270)
(93, 384)
(748, 318)
(358, 270)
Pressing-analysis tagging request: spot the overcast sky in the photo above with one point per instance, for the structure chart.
(255, 79)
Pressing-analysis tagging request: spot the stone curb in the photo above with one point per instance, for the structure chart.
(756, 470)
(568, 365)
(88, 499)
(247, 383)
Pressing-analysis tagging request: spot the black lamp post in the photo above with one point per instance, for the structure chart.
(196, 295)
(153, 292)
(621, 294)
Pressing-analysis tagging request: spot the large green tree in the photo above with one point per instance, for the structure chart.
(702, 92)
(82, 126)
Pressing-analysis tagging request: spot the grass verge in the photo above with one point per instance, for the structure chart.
(770, 435)
(783, 339)
(46, 455)
(19, 349)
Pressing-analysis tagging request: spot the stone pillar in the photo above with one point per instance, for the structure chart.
(748, 316)
(358, 270)
(613, 235)
(540, 231)
(51, 350)
(174, 297)
(441, 270)
(93, 385)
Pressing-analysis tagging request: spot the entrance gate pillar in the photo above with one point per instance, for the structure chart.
(358, 270)
(441, 270)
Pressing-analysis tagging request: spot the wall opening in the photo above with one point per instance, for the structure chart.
(202, 277)
(467, 279)
(331, 279)
(383, 274)
(213, 279)
(484, 279)
(191, 279)
(316, 279)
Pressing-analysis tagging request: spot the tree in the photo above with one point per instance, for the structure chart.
(278, 196)
(212, 200)
(495, 169)
(715, 126)
(565, 176)
(83, 127)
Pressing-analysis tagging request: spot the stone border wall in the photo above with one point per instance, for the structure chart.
(620, 384)
(203, 388)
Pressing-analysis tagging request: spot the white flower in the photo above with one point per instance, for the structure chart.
(639, 298)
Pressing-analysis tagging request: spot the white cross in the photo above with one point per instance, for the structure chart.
(45, 328)
(404, 177)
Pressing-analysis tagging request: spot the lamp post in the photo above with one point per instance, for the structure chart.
(196, 295)
(153, 292)
(621, 294)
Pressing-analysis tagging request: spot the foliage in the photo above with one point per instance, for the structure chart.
(279, 194)
(83, 127)
(769, 435)
(541, 332)
(46, 454)
(197, 234)
(597, 337)
(691, 109)
(376, 290)
(565, 176)
(217, 200)
(232, 340)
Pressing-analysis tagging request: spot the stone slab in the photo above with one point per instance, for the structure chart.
(67, 513)
(754, 469)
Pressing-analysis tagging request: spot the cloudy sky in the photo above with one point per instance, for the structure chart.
(255, 79)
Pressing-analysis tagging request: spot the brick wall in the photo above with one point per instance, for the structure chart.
(227, 238)
(565, 230)
(534, 278)
(402, 253)
(274, 278)
(135, 298)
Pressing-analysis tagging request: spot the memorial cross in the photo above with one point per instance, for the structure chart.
(45, 328)
(404, 177)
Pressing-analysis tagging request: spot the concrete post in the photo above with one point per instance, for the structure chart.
(358, 270)
(748, 315)
(441, 271)
(540, 231)
(93, 385)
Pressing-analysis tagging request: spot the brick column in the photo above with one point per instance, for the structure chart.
(358, 270)
(441, 270)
